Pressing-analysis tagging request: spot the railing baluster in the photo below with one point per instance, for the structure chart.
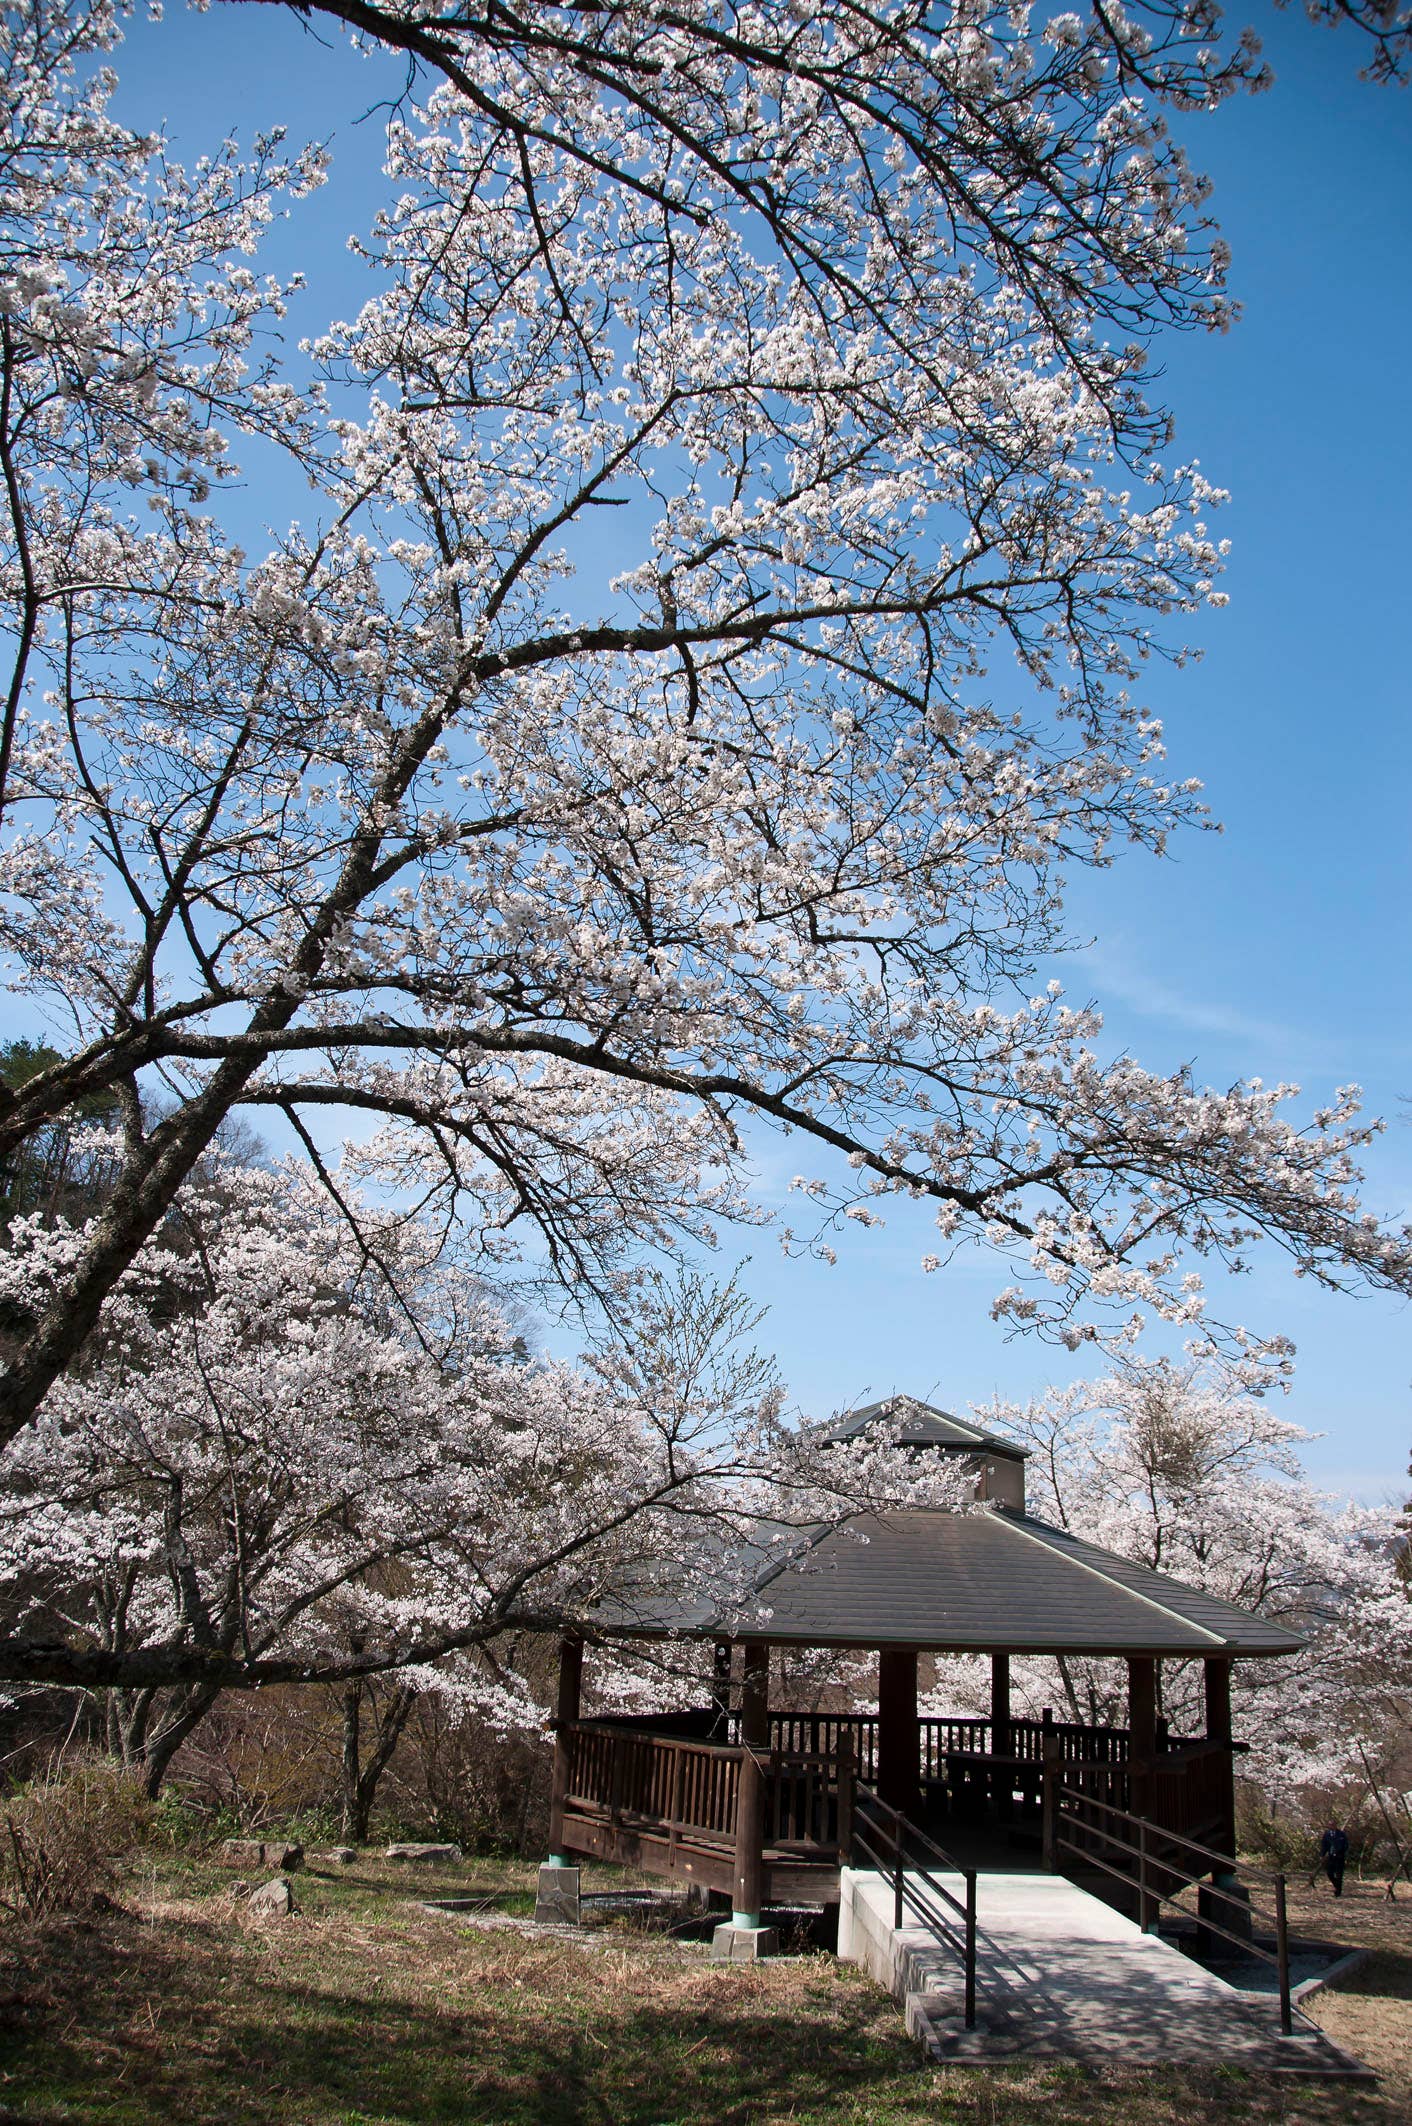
(1282, 1957)
(970, 1948)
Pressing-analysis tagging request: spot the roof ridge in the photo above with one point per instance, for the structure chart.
(1017, 1522)
(813, 1536)
(964, 1434)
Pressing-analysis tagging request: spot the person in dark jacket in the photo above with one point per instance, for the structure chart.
(1333, 1851)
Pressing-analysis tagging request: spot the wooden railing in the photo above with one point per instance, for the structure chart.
(937, 1740)
(822, 1735)
(690, 1789)
(946, 1736)
(939, 1737)
(805, 1796)
(663, 1771)
(1189, 1787)
(684, 1786)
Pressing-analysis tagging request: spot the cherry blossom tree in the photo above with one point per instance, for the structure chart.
(293, 1456)
(414, 821)
(1182, 1470)
(935, 85)
(1337, 1739)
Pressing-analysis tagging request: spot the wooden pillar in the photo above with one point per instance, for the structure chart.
(1142, 1713)
(898, 1743)
(1002, 1780)
(749, 1891)
(1218, 1729)
(755, 1695)
(1218, 1700)
(570, 1695)
(566, 1711)
(1142, 1757)
(721, 1690)
(846, 1776)
(1052, 1776)
(1142, 1733)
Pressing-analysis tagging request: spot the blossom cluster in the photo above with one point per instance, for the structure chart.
(562, 872)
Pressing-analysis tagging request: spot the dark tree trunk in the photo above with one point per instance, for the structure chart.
(354, 1819)
(362, 1779)
(181, 1720)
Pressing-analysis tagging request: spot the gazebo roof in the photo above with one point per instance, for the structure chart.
(988, 1581)
(923, 1425)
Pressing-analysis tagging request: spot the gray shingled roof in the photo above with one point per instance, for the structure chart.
(984, 1582)
(923, 1425)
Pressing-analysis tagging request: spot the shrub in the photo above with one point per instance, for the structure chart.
(1279, 1841)
(62, 1833)
(463, 1779)
(260, 1759)
(180, 1824)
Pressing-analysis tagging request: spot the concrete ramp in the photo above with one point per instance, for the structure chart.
(1061, 1975)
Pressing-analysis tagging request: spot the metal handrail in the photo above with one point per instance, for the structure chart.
(905, 1893)
(916, 1835)
(1194, 1845)
(1151, 1895)
(941, 1930)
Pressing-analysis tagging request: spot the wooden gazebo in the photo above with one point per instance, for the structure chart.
(756, 1801)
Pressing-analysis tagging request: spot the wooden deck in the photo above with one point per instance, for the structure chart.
(663, 1793)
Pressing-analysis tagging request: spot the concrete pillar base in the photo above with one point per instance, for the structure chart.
(1234, 1917)
(556, 1900)
(731, 1944)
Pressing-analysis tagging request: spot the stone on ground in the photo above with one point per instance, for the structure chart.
(273, 1900)
(260, 1853)
(424, 1855)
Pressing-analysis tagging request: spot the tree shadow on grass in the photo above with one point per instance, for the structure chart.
(116, 2021)
(643, 2069)
(141, 2033)
(115, 2025)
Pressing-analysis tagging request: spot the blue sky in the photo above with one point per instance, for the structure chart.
(1278, 949)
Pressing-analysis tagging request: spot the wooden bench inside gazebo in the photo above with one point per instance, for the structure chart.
(762, 1804)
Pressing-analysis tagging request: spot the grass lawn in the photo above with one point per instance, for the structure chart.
(364, 2010)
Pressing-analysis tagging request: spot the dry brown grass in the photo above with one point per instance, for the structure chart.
(1370, 2014)
(63, 1833)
